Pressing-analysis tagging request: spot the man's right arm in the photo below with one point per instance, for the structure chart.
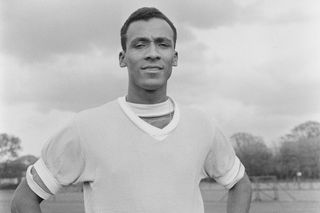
(25, 200)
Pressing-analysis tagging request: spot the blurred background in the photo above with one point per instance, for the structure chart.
(252, 65)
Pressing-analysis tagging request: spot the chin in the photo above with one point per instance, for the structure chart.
(153, 85)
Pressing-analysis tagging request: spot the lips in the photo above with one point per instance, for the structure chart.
(152, 67)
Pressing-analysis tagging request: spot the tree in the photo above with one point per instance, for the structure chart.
(300, 151)
(309, 129)
(288, 159)
(9, 146)
(253, 153)
(302, 156)
(309, 157)
(17, 167)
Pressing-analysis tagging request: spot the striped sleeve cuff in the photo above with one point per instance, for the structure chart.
(46, 176)
(229, 179)
(34, 186)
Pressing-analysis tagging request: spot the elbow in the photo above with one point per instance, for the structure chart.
(239, 196)
(24, 200)
(247, 181)
(246, 185)
(243, 185)
(24, 203)
(16, 204)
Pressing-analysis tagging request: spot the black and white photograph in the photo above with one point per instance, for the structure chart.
(158, 106)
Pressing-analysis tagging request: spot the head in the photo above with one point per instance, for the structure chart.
(148, 40)
(144, 13)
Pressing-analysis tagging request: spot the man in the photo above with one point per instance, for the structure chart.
(141, 153)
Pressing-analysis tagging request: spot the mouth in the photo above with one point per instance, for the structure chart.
(152, 68)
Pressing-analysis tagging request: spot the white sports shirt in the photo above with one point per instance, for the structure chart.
(127, 165)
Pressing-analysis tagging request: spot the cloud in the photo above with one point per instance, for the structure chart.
(277, 87)
(272, 68)
(35, 30)
(293, 89)
(270, 12)
(69, 83)
(32, 126)
(204, 13)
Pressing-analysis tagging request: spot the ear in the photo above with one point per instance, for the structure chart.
(122, 61)
(175, 59)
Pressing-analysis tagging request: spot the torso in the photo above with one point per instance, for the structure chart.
(138, 173)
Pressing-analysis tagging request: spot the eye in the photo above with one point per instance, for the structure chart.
(139, 45)
(164, 44)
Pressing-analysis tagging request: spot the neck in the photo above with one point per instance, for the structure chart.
(147, 96)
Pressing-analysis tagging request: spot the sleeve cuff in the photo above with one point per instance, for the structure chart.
(46, 176)
(34, 186)
(233, 175)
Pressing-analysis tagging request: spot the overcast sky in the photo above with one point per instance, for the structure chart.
(252, 65)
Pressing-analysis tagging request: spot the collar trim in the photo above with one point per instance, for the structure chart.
(152, 110)
(155, 132)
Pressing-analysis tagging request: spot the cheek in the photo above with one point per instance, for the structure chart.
(133, 59)
(169, 59)
(131, 62)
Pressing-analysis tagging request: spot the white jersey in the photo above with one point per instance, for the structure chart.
(128, 165)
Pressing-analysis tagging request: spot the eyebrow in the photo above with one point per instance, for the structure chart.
(145, 39)
(163, 39)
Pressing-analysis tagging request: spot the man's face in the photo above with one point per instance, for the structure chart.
(150, 54)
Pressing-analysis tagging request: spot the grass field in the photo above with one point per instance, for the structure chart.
(304, 200)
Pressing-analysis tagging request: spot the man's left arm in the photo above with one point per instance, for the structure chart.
(239, 196)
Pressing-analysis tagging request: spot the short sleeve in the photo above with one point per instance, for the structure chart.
(221, 163)
(62, 159)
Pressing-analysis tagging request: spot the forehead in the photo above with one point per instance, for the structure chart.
(152, 28)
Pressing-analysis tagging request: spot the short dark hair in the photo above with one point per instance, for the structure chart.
(144, 13)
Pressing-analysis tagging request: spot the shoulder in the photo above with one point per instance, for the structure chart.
(196, 113)
(197, 117)
(96, 113)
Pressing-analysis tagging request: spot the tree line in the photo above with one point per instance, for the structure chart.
(296, 152)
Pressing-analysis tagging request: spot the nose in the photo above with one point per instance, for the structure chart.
(152, 52)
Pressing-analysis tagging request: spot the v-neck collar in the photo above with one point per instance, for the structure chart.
(155, 132)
